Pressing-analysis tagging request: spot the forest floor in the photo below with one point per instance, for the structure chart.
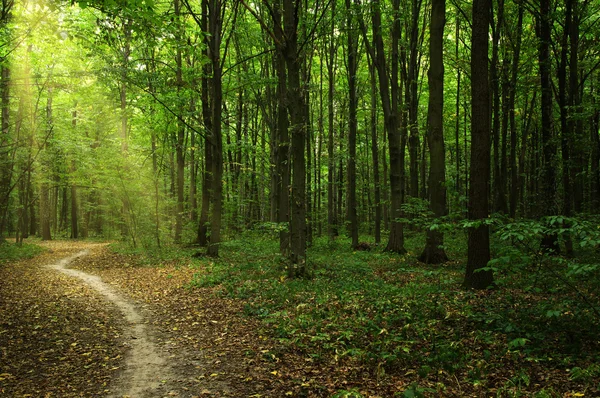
(80, 320)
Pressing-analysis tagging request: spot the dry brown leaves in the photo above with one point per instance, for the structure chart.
(57, 339)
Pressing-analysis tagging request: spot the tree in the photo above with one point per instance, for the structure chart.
(549, 241)
(434, 252)
(353, 124)
(390, 112)
(214, 54)
(476, 276)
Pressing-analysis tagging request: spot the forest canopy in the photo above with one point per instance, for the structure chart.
(190, 122)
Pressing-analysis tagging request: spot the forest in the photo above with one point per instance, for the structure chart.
(377, 198)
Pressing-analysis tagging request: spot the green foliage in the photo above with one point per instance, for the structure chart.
(353, 393)
(12, 252)
(415, 391)
(387, 313)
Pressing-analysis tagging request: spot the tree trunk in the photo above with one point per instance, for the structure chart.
(179, 144)
(412, 100)
(332, 228)
(377, 54)
(298, 125)
(550, 241)
(283, 140)
(479, 237)
(514, 170)
(499, 199)
(202, 238)
(353, 126)
(74, 206)
(434, 251)
(214, 54)
(375, 154)
(5, 161)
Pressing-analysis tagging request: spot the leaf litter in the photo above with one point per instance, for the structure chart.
(60, 338)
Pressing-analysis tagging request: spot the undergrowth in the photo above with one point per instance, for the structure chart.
(393, 314)
(12, 252)
(534, 334)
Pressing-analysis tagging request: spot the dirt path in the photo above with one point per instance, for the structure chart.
(146, 369)
(80, 320)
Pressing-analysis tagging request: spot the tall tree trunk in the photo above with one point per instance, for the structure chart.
(499, 199)
(375, 154)
(595, 151)
(74, 206)
(45, 207)
(5, 161)
(514, 170)
(202, 237)
(126, 52)
(550, 241)
(331, 187)
(413, 98)
(179, 144)
(457, 111)
(479, 235)
(577, 174)
(282, 146)
(298, 125)
(566, 126)
(434, 251)
(353, 125)
(214, 54)
(377, 54)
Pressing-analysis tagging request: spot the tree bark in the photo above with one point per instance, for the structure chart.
(479, 237)
(377, 54)
(202, 237)
(353, 125)
(179, 144)
(550, 241)
(5, 161)
(214, 54)
(514, 170)
(375, 154)
(412, 99)
(298, 125)
(332, 222)
(434, 251)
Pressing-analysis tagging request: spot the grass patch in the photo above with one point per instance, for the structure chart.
(12, 252)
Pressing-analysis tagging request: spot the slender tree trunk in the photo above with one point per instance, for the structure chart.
(353, 126)
(214, 53)
(413, 104)
(5, 162)
(202, 238)
(377, 54)
(550, 241)
(375, 154)
(179, 216)
(283, 141)
(577, 174)
(565, 124)
(514, 171)
(457, 110)
(45, 207)
(331, 191)
(595, 152)
(434, 251)
(479, 234)
(499, 199)
(74, 205)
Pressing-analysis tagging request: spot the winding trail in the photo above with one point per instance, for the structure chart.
(145, 368)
